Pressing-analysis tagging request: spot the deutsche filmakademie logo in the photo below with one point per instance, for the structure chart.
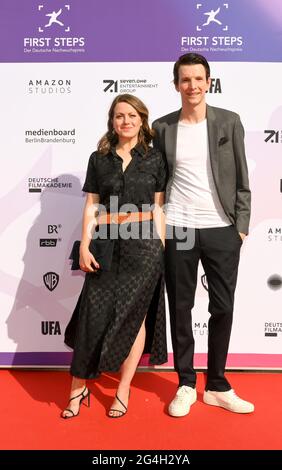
(212, 27)
(51, 280)
(271, 329)
(53, 29)
(37, 184)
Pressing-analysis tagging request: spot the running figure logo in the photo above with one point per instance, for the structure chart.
(53, 18)
(212, 17)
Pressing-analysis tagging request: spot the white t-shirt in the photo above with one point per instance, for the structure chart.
(193, 200)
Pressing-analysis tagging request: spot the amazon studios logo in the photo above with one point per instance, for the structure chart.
(53, 28)
(274, 234)
(40, 86)
(130, 85)
(212, 30)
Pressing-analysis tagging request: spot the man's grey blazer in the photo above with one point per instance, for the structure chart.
(228, 160)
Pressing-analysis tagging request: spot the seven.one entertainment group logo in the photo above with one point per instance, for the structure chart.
(131, 85)
(53, 29)
(127, 85)
(212, 31)
(273, 136)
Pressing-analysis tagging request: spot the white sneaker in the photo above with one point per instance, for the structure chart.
(184, 398)
(228, 400)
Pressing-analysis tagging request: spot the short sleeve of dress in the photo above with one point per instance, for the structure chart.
(162, 174)
(91, 183)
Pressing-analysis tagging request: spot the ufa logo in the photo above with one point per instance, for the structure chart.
(51, 280)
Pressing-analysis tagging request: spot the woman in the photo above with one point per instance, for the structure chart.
(118, 309)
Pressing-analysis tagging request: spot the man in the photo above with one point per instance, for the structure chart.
(208, 200)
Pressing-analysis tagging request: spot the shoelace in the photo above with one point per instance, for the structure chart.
(233, 395)
(182, 391)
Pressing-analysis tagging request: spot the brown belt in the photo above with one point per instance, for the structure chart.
(123, 217)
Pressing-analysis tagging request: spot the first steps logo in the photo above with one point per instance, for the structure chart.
(212, 26)
(51, 280)
(53, 27)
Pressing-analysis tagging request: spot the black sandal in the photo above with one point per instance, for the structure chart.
(121, 413)
(80, 401)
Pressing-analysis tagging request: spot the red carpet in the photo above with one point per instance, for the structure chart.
(31, 403)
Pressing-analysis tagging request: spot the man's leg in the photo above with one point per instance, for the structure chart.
(181, 280)
(220, 259)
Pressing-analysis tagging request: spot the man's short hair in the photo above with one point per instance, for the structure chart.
(190, 59)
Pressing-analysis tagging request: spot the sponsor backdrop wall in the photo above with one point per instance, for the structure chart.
(62, 63)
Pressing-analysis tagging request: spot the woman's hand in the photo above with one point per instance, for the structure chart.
(87, 260)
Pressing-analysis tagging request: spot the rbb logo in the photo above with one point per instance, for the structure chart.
(215, 86)
(50, 328)
(112, 86)
(274, 137)
(54, 228)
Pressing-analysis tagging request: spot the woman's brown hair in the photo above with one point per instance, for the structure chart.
(110, 139)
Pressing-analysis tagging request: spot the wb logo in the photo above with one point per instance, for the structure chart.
(51, 280)
(204, 282)
(274, 137)
(112, 86)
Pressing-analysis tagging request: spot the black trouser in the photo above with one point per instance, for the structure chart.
(219, 251)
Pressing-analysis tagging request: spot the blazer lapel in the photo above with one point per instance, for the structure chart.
(170, 140)
(213, 137)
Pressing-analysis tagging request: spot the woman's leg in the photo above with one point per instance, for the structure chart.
(128, 370)
(77, 388)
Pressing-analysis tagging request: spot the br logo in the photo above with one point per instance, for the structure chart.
(51, 280)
